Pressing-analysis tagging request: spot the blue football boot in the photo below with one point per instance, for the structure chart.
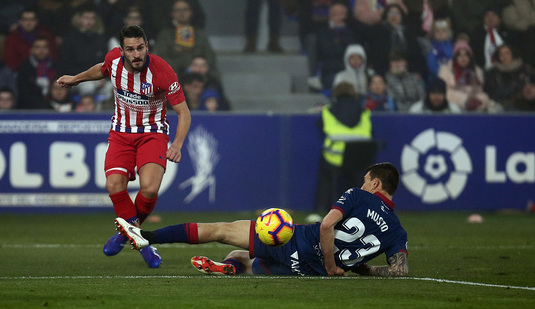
(115, 244)
(151, 255)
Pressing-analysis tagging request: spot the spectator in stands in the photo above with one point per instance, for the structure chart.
(19, 42)
(179, 42)
(194, 85)
(252, 19)
(377, 99)
(209, 101)
(85, 44)
(133, 17)
(200, 65)
(405, 87)
(59, 99)
(332, 44)
(57, 15)
(370, 12)
(526, 101)
(466, 15)
(35, 76)
(8, 79)
(9, 15)
(390, 36)
(356, 68)
(505, 81)
(465, 80)
(313, 16)
(84, 47)
(519, 16)
(160, 17)
(422, 13)
(435, 100)
(485, 39)
(441, 47)
(7, 99)
(86, 104)
(112, 13)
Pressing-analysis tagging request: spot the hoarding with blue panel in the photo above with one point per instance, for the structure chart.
(461, 162)
(240, 162)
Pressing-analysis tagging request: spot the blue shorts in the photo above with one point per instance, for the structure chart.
(301, 256)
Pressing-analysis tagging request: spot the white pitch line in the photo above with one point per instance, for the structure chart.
(274, 277)
(217, 245)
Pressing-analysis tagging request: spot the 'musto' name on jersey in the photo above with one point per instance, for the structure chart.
(377, 219)
(131, 98)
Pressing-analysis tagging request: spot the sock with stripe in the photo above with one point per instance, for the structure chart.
(181, 233)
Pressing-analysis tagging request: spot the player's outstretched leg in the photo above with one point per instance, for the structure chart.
(207, 266)
(132, 232)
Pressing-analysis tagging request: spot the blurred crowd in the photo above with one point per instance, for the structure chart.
(419, 56)
(43, 40)
(424, 56)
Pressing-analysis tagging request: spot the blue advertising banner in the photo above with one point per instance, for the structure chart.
(239, 162)
(463, 162)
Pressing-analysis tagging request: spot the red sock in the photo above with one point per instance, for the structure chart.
(123, 206)
(144, 206)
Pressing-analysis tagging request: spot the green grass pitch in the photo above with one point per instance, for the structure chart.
(56, 261)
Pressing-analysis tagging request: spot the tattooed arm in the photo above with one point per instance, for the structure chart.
(398, 265)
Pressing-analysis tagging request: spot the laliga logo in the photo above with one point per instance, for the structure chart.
(435, 166)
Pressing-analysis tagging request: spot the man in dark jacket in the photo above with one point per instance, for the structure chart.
(35, 76)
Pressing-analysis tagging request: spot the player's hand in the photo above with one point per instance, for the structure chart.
(67, 81)
(174, 154)
(336, 271)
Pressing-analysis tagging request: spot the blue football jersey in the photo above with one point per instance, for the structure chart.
(369, 227)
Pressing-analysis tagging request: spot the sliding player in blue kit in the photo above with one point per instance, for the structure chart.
(360, 226)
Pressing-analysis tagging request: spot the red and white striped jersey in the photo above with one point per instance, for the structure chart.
(140, 99)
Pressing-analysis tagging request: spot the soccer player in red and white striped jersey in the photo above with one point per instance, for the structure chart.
(142, 84)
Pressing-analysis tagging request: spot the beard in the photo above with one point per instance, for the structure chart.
(137, 64)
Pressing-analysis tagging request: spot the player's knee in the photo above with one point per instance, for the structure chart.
(115, 184)
(150, 192)
(243, 257)
(240, 255)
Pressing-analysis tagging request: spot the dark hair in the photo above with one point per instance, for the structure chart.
(389, 7)
(131, 32)
(397, 55)
(6, 89)
(471, 63)
(344, 89)
(371, 76)
(512, 48)
(29, 10)
(387, 173)
(40, 38)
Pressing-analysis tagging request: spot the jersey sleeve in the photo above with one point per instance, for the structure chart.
(168, 83)
(110, 56)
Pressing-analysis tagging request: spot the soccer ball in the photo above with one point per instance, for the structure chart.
(274, 227)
